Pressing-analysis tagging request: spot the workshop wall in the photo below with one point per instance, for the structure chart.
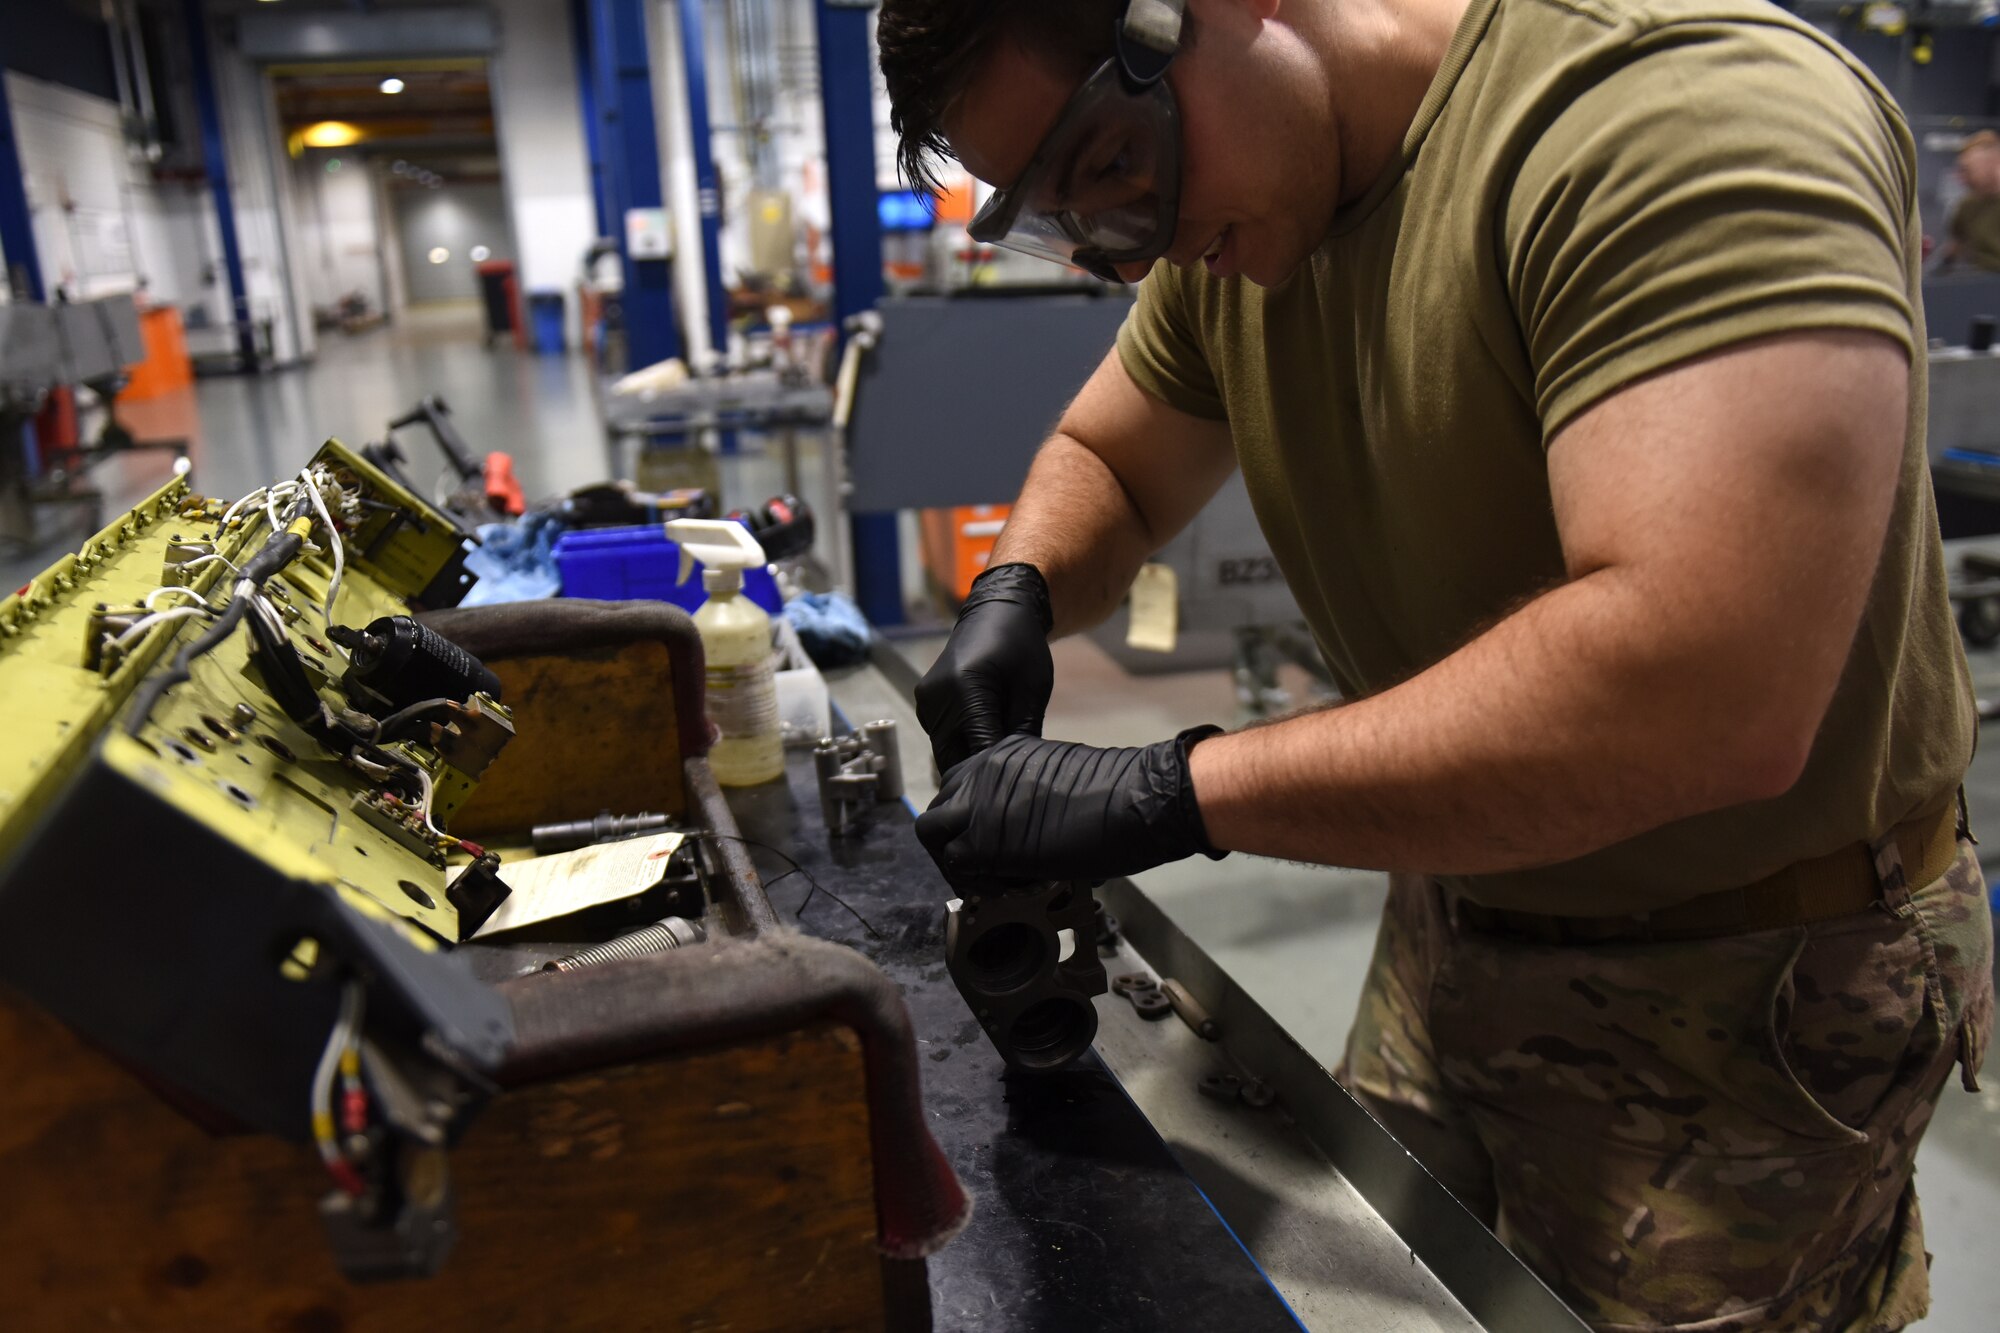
(544, 159)
(260, 191)
(449, 222)
(102, 224)
(339, 242)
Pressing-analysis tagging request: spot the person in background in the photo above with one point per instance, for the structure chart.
(1975, 221)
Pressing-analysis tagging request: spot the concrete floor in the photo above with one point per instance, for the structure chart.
(1298, 937)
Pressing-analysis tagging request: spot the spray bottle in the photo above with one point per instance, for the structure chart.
(736, 638)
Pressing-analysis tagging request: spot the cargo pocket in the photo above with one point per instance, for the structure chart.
(1956, 923)
(1853, 1023)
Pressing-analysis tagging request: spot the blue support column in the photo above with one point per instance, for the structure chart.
(216, 163)
(846, 64)
(593, 128)
(694, 54)
(631, 142)
(17, 224)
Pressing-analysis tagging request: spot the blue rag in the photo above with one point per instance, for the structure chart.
(831, 628)
(515, 561)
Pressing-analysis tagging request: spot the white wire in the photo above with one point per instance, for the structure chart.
(140, 626)
(204, 559)
(424, 781)
(329, 1062)
(253, 498)
(273, 498)
(333, 541)
(154, 596)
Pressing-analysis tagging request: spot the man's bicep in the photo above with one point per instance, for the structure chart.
(1169, 462)
(1746, 496)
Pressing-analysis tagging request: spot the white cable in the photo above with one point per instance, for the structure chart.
(329, 1061)
(204, 559)
(424, 781)
(140, 626)
(276, 496)
(254, 497)
(153, 597)
(333, 541)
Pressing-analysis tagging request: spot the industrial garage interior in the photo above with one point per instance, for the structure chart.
(429, 315)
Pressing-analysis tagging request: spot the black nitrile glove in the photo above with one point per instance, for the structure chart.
(994, 677)
(1030, 809)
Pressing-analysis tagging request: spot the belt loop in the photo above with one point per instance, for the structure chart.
(1887, 855)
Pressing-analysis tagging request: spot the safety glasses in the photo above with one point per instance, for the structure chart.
(1104, 187)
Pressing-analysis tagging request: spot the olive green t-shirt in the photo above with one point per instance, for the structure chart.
(1592, 191)
(1975, 225)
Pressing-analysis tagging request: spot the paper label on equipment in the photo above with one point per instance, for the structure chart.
(1156, 610)
(546, 887)
(743, 700)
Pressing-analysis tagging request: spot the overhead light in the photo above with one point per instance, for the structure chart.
(332, 134)
(480, 254)
(333, 164)
(440, 255)
(401, 168)
(392, 86)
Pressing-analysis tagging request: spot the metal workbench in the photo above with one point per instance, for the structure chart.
(1114, 1194)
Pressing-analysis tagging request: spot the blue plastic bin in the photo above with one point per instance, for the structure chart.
(629, 564)
(546, 317)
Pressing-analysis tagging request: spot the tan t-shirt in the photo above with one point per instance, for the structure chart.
(1975, 225)
(1592, 191)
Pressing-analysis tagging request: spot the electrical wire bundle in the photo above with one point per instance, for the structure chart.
(292, 508)
(349, 1117)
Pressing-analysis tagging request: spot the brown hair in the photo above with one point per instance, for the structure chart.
(932, 48)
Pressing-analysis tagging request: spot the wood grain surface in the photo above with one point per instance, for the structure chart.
(726, 1189)
(595, 731)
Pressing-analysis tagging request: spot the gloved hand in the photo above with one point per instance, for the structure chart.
(994, 677)
(1030, 809)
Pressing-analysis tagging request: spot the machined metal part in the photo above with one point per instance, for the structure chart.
(1029, 986)
(607, 827)
(178, 569)
(1144, 994)
(661, 937)
(855, 771)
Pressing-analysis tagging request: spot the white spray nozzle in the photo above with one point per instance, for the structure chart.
(717, 543)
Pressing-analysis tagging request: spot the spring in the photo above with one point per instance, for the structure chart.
(662, 937)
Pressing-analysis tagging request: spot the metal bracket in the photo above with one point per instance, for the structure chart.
(855, 771)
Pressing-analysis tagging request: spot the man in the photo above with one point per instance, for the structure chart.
(1571, 351)
(1975, 222)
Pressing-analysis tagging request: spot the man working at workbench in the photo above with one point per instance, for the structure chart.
(1572, 353)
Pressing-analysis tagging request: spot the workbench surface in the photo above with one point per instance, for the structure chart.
(1082, 1219)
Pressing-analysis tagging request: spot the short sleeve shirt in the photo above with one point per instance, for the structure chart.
(1593, 191)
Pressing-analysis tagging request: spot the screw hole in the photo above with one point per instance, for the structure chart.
(278, 748)
(416, 893)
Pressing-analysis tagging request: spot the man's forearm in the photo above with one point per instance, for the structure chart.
(1075, 523)
(1575, 723)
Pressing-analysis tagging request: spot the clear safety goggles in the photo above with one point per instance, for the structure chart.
(1104, 187)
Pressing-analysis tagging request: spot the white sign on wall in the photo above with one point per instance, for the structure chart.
(648, 235)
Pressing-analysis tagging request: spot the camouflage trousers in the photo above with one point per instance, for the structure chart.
(1708, 1136)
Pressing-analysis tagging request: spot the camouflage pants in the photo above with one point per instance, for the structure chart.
(1711, 1136)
